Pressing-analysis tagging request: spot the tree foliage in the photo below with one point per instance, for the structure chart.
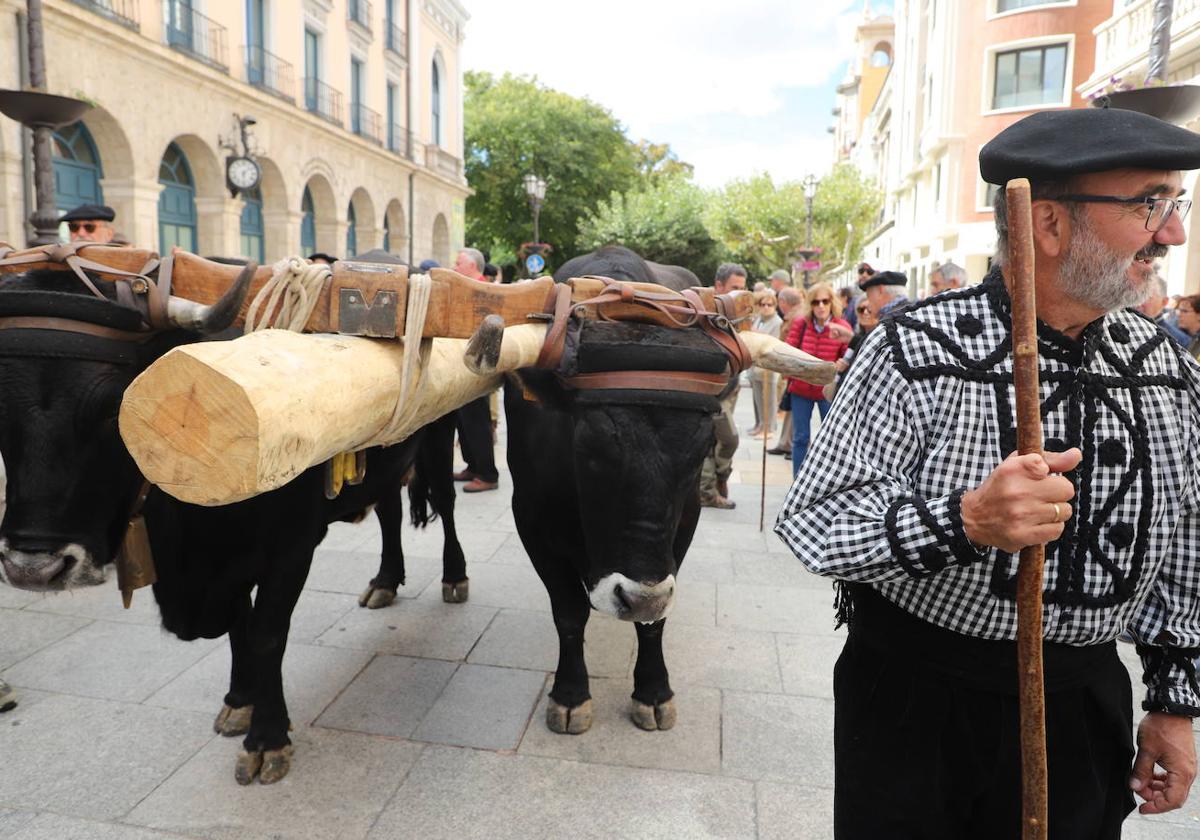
(663, 221)
(656, 161)
(514, 126)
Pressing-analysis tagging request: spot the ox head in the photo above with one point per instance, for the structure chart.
(628, 453)
(70, 481)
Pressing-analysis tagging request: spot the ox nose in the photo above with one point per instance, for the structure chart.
(634, 601)
(37, 569)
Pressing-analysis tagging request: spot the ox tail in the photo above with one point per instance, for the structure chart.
(422, 508)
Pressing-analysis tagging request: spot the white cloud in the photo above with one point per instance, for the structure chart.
(789, 159)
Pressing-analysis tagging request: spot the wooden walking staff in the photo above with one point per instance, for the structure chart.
(1031, 685)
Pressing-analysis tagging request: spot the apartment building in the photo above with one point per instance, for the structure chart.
(356, 109)
(963, 71)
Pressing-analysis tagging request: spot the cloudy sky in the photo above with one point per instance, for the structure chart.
(734, 87)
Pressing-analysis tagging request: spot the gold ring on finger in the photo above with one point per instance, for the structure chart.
(1057, 512)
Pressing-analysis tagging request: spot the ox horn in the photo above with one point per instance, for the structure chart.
(212, 318)
(495, 348)
(769, 353)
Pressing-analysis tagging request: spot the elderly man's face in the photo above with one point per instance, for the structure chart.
(1109, 260)
(938, 283)
(90, 230)
(465, 266)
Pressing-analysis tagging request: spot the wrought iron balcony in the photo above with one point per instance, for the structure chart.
(395, 41)
(365, 123)
(270, 72)
(124, 12)
(199, 36)
(322, 100)
(359, 11)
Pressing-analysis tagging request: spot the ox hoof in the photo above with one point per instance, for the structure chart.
(275, 765)
(569, 721)
(455, 593)
(231, 721)
(653, 718)
(247, 766)
(376, 597)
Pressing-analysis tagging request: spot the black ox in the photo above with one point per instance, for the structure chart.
(72, 484)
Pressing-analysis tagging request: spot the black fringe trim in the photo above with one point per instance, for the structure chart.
(1159, 663)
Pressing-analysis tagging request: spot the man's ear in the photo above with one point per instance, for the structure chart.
(1051, 227)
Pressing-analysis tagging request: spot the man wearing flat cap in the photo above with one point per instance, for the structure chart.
(915, 502)
(90, 223)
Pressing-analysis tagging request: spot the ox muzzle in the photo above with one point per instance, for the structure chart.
(631, 600)
(49, 568)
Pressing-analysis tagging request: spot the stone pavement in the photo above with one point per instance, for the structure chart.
(426, 719)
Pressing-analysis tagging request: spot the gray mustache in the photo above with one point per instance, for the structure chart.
(1152, 251)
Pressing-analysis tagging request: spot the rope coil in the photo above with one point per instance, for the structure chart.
(294, 289)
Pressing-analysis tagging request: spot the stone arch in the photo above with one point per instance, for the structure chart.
(396, 226)
(118, 169)
(275, 205)
(441, 240)
(208, 179)
(325, 214)
(368, 231)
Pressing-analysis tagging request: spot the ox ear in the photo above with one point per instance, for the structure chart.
(199, 318)
(769, 353)
(495, 348)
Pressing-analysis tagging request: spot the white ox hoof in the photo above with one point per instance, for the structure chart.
(268, 766)
(231, 721)
(374, 597)
(569, 721)
(456, 593)
(653, 718)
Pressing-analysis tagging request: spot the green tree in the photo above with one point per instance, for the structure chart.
(514, 125)
(844, 197)
(656, 161)
(663, 221)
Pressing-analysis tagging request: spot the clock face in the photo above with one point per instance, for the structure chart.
(243, 173)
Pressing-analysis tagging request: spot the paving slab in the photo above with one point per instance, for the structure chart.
(14, 599)
(483, 707)
(695, 603)
(102, 601)
(470, 794)
(780, 609)
(517, 639)
(317, 611)
(92, 758)
(109, 660)
(774, 570)
(389, 697)
(430, 629)
(338, 784)
(806, 663)
(693, 744)
(312, 677)
(721, 657)
(787, 812)
(24, 633)
(778, 738)
(56, 827)
(11, 820)
(349, 572)
(706, 565)
(494, 585)
(475, 542)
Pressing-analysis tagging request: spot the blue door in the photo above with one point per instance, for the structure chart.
(176, 202)
(252, 226)
(255, 42)
(77, 171)
(351, 233)
(308, 225)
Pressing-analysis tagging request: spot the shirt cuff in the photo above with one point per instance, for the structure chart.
(926, 535)
(1170, 678)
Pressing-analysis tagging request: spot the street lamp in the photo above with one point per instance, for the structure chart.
(535, 188)
(808, 251)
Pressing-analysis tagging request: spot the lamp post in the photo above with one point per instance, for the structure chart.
(808, 251)
(535, 188)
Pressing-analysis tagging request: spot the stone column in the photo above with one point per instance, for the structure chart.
(136, 205)
(281, 231)
(219, 226)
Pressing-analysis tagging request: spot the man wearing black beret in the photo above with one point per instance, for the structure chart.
(90, 223)
(887, 292)
(915, 502)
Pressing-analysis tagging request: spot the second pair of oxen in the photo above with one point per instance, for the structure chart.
(67, 356)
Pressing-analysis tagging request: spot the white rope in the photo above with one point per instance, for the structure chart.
(295, 282)
(416, 353)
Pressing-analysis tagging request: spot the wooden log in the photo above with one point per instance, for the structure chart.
(217, 422)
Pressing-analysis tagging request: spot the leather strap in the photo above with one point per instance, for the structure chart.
(711, 384)
(32, 322)
(558, 304)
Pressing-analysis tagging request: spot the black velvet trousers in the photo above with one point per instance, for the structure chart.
(474, 421)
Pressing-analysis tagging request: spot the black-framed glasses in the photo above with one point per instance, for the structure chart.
(1160, 208)
(863, 310)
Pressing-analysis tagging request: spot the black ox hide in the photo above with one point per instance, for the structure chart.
(72, 483)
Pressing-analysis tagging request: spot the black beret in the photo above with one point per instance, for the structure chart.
(884, 278)
(89, 211)
(1053, 145)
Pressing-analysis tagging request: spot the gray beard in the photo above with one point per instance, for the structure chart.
(1093, 274)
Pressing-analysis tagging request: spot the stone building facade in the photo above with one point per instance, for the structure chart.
(358, 122)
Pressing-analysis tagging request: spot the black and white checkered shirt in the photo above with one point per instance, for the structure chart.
(927, 412)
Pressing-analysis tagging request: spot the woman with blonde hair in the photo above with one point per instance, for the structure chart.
(762, 382)
(821, 332)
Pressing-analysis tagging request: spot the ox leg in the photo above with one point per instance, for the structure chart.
(234, 717)
(389, 509)
(569, 710)
(435, 463)
(267, 749)
(653, 705)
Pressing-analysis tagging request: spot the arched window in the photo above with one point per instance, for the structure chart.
(882, 55)
(252, 225)
(176, 202)
(308, 225)
(77, 170)
(387, 234)
(436, 99)
(351, 232)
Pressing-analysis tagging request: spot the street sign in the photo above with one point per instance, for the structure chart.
(535, 263)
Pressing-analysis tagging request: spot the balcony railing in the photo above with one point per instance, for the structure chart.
(395, 41)
(1123, 38)
(442, 162)
(359, 11)
(403, 143)
(270, 72)
(322, 100)
(197, 35)
(365, 123)
(124, 12)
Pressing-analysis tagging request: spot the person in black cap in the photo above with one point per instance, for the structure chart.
(915, 501)
(887, 291)
(91, 223)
